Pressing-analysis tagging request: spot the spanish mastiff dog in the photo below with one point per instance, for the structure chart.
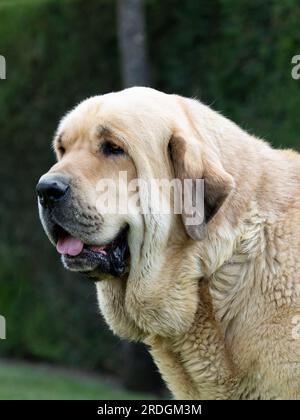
(217, 302)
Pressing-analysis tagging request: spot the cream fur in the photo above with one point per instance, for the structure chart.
(217, 313)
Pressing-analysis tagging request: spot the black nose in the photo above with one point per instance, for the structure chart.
(51, 189)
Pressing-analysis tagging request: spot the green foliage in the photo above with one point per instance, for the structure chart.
(56, 55)
(235, 55)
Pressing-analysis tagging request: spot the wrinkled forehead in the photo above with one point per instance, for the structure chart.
(134, 115)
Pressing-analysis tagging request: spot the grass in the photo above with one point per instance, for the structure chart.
(34, 382)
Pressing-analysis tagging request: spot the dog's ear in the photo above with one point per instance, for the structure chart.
(207, 181)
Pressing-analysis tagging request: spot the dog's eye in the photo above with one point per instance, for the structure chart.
(108, 148)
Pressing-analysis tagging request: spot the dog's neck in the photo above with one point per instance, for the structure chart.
(229, 266)
(199, 360)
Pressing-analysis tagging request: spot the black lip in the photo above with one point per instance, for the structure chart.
(113, 261)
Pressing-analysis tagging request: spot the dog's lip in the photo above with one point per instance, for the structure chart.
(58, 231)
(61, 233)
(95, 258)
(98, 259)
(73, 246)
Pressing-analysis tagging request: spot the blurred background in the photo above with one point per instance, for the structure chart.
(233, 55)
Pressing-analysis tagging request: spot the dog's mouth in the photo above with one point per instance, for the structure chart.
(94, 260)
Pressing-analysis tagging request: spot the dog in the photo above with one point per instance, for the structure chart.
(217, 302)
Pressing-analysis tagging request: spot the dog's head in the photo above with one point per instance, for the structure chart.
(136, 134)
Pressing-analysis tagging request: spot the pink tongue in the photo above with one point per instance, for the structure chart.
(69, 245)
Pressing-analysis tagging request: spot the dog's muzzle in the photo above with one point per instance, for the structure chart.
(71, 238)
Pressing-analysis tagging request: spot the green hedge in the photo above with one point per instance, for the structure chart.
(56, 55)
(231, 54)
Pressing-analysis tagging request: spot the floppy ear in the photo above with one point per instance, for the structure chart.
(191, 161)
